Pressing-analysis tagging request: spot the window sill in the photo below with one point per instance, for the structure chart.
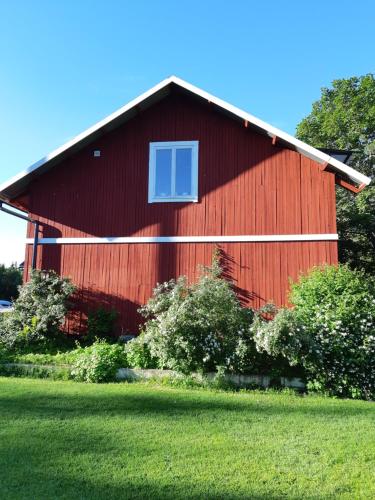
(173, 200)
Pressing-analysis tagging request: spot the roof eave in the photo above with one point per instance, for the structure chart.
(20, 182)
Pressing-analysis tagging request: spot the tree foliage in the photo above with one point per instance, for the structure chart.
(10, 280)
(344, 118)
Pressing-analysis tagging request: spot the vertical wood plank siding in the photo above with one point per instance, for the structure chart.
(247, 186)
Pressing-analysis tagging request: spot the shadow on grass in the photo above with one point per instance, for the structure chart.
(64, 487)
(59, 463)
(95, 400)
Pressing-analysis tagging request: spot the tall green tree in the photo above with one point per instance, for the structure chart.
(10, 280)
(344, 118)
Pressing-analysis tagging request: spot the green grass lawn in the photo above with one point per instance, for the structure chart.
(122, 441)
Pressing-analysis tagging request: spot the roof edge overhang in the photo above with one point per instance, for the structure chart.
(18, 184)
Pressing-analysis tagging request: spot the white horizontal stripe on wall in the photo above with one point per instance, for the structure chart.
(187, 239)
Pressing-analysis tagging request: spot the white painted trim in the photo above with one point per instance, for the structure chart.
(263, 238)
(173, 145)
(300, 146)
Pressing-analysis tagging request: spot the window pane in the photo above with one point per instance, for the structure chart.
(183, 171)
(163, 173)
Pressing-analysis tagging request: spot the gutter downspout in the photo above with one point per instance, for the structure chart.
(36, 230)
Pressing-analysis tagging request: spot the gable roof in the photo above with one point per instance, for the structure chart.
(18, 184)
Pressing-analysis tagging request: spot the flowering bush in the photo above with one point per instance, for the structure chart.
(337, 307)
(98, 362)
(138, 353)
(39, 310)
(200, 326)
(330, 331)
(283, 336)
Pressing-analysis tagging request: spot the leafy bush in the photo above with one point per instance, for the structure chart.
(138, 353)
(98, 362)
(39, 310)
(100, 323)
(4, 354)
(331, 331)
(337, 307)
(200, 326)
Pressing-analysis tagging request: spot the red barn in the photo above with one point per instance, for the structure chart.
(146, 194)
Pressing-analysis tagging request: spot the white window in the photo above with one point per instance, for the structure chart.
(173, 171)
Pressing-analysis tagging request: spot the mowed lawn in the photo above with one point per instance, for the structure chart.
(69, 440)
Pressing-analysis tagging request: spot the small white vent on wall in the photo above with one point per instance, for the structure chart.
(97, 153)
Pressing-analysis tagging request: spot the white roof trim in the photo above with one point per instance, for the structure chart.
(300, 146)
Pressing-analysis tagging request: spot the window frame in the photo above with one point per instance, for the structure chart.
(174, 145)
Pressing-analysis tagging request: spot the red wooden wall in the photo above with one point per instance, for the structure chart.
(247, 186)
(123, 275)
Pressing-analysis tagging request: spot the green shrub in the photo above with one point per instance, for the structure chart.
(200, 326)
(100, 324)
(98, 362)
(138, 353)
(331, 331)
(39, 310)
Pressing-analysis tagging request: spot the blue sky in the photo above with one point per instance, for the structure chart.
(65, 65)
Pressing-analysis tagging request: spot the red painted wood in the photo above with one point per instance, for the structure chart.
(246, 187)
(350, 187)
